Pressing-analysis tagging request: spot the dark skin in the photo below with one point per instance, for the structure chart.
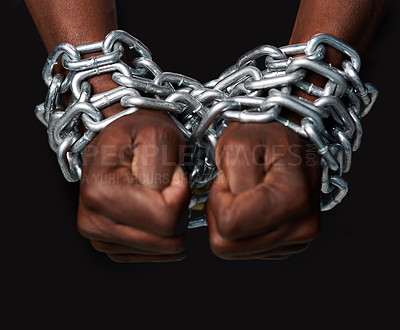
(264, 203)
(133, 217)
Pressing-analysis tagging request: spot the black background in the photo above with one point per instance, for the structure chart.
(53, 277)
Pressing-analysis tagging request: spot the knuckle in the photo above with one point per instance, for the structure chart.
(91, 195)
(100, 246)
(233, 140)
(219, 247)
(313, 229)
(228, 225)
(231, 145)
(308, 230)
(166, 227)
(174, 246)
(164, 223)
(304, 200)
(229, 221)
(89, 226)
(158, 133)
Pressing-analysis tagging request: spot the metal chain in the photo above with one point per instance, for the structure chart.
(246, 92)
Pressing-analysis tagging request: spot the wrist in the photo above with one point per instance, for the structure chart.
(103, 83)
(332, 57)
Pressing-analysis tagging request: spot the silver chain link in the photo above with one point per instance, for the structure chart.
(246, 92)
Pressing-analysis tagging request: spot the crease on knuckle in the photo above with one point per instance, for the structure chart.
(159, 133)
(229, 223)
(234, 151)
(100, 246)
(92, 194)
(90, 226)
(164, 223)
(172, 246)
(219, 247)
(306, 231)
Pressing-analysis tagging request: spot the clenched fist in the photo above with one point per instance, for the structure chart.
(264, 203)
(133, 190)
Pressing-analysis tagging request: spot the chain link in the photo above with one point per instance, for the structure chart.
(245, 92)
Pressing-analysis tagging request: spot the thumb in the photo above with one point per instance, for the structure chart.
(220, 197)
(177, 193)
(221, 181)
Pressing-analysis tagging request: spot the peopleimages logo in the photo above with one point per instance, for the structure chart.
(231, 155)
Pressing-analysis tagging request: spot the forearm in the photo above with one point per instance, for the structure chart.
(76, 22)
(353, 21)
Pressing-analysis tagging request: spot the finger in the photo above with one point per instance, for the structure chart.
(130, 203)
(123, 253)
(136, 258)
(289, 237)
(115, 248)
(278, 258)
(99, 228)
(278, 253)
(284, 195)
(284, 252)
(178, 192)
(231, 248)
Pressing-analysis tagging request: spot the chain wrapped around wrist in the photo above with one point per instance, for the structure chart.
(245, 92)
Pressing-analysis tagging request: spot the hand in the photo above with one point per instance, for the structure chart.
(264, 203)
(133, 190)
